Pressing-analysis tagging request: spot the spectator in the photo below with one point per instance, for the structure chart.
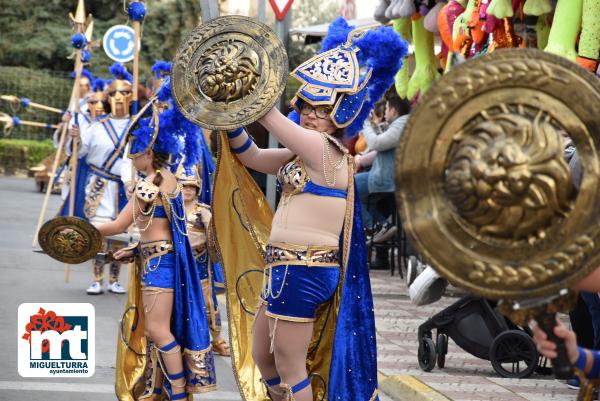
(381, 176)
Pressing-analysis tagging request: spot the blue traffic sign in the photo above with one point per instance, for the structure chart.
(118, 43)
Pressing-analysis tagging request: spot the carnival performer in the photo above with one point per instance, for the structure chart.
(96, 106)
(316, 307)
(102, 145)
(198, 220)
(586, 360)
(174, 341)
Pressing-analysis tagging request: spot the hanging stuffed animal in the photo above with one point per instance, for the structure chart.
(379, 13)
(565, 28)
(426, 63)
(400, 9)
(431, 19)
(501, 8)
(542, 31)
(589, 40)
(537, 7)
(403, 27)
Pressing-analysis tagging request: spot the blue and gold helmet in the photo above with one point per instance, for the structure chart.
(353, 71)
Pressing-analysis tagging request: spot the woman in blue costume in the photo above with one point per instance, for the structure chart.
(171, 349)
(198, 220)
(314, 333)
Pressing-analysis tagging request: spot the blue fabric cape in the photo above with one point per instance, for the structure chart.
(353, 373)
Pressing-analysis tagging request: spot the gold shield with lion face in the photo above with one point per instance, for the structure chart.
(70, 240)
(229, 72)
(484, 189)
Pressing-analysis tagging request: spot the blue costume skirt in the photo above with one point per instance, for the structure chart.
(298, 279)
(159, 265)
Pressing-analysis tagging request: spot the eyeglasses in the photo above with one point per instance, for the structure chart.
(320, 111)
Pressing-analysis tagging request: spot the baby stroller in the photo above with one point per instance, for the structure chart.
(477, 328)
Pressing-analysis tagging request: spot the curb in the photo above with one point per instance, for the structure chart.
(408, 388)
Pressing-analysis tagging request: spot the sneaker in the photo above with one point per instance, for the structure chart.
(116, 288)
(94, 289)
(386, 234)
(574, 383)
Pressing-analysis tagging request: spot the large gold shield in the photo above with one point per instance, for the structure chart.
(229, 72)
(484, 190)
(70, 240)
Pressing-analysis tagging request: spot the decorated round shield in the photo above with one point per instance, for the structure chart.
(70, 239)
(229, 72)
(485, 191)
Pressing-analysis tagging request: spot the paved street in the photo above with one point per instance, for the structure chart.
(31, 277)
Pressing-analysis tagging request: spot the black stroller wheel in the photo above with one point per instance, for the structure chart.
(513, 354)
(441, 348)
(427, 354)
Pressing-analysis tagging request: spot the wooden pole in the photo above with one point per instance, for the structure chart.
(61, 145)
(136, 60)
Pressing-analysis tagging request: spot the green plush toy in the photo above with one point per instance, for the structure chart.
(403, 27)
(500, 8)
(565, 28)
(426, 63)
(589, 40)
(537, 7)
(542, 30)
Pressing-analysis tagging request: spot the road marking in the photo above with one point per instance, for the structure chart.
(99, 388)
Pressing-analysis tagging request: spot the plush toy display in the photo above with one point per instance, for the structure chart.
(472, 28)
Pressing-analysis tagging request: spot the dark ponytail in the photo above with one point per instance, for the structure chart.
(159, 161)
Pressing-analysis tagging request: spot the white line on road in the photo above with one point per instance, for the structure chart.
(99, 388)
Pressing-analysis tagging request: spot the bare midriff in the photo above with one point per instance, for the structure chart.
(308, 219)
(159, 230)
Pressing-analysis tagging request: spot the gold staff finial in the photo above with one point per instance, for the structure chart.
(89, 31)
(79, 13)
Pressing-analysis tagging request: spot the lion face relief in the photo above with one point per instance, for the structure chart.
(228, 71)
(506, 174)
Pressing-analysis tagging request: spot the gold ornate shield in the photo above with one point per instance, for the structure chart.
(70, 239)
(229, 72)
(484, 189)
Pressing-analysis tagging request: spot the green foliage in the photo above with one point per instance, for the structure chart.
(24, 153)
(38, 35)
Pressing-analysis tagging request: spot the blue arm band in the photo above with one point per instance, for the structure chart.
(244, 147)
(581, 361)
(235, 134)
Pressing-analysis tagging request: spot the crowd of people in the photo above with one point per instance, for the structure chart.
(313, 327)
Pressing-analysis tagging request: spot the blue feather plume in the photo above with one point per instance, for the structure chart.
(84, 73)
(118, 71)
(99, 85)
(382, 50)
(161, 68)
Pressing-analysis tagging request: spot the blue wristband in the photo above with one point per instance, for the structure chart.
(581, 361)
(595, 372)
(244, 147)
(235, 134)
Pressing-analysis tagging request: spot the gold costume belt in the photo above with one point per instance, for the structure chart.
(279, 253)
(154, 249)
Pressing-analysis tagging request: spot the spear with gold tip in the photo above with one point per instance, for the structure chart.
(79, 42)
(26, 103)
(14, 121)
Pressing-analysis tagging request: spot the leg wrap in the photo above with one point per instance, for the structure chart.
(270, 383)
(98, 271)
(115, 269)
